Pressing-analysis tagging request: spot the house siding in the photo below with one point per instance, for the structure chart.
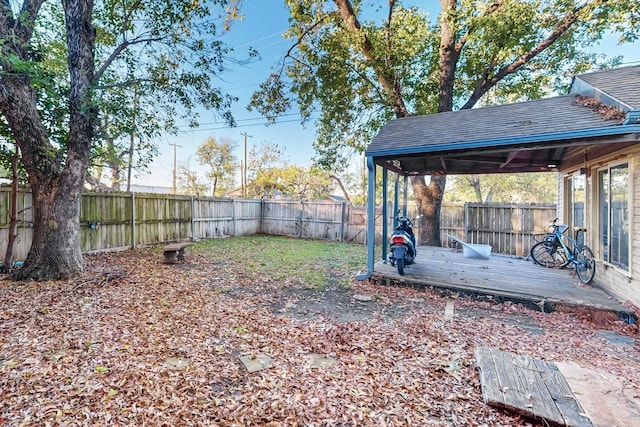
(624, 285)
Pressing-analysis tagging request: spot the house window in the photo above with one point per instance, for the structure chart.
(613, 203)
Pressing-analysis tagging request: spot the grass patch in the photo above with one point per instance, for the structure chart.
(312, 263)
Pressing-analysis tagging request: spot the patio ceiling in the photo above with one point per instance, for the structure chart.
(551, 134)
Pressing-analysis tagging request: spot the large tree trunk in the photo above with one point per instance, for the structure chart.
(56, 180)
(55, 249)
(429, 197)
(474, 182)
(429, 201)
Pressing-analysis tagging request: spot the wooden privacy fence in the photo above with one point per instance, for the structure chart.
(509, 229)
(112, 221)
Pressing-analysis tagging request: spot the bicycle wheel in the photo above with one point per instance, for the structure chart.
(548, 254)
(585, 264)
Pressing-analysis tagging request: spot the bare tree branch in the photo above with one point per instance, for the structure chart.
(304, 33)
(337, 179)
(120, 48)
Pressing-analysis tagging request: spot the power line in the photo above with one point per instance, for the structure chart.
(278, 33)
(199, 129)
(249, 120)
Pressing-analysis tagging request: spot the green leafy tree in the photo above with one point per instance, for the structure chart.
(359, 74)
(353, 184)
(189, 183)
(222, 163)
(126, 131)
(266, 184)
(305, 183)
(168, 49)
(538, 187)
(264, 160)
(292, 182)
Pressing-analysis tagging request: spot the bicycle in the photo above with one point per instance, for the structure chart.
(558, 250)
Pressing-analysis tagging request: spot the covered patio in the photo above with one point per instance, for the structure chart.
(501, 278)
(568, 134)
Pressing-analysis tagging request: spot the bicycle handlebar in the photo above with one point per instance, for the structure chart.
(556, 226)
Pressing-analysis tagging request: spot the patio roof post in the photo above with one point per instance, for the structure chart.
(371, 220)
(396, 201)
(466, 221)
(385, 214)
(405, 195)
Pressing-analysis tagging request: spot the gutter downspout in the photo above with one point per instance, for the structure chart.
(371, 219)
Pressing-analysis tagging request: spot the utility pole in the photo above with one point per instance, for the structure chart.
(244, 168)
(174, 165)
(132, 141)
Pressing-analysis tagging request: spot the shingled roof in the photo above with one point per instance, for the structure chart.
(621, 85)
(522, 137)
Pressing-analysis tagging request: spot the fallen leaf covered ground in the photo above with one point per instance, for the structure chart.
(137, 342)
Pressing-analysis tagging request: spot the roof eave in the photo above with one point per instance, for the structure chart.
(520, 140)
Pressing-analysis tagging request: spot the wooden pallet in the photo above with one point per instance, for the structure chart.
(530, 387)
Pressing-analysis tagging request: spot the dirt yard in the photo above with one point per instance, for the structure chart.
(226, 342)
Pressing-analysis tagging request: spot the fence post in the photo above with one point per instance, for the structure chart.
(133, 220)
(466, 221)
(234, 230)
(300, 219)
(342, 209)
(193, 220)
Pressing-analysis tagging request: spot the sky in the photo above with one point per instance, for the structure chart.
(262, 28)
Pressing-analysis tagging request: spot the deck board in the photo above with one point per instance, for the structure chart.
(530, 387)
(503, 276)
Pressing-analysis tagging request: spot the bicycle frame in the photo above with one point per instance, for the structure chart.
(570, 251)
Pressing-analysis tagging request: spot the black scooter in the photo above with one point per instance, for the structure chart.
(402, 244)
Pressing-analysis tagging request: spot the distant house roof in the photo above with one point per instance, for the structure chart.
(137, 188)
(530, 136)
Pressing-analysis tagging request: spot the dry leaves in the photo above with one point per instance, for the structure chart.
(138, 342)
(606, 111)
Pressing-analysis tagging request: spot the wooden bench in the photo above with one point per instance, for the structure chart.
(174, 252)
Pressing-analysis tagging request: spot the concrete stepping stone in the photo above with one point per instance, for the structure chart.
(176, 363)
(256, 362)
(321, 361)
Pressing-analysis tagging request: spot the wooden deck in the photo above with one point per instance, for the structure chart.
(503, 277)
